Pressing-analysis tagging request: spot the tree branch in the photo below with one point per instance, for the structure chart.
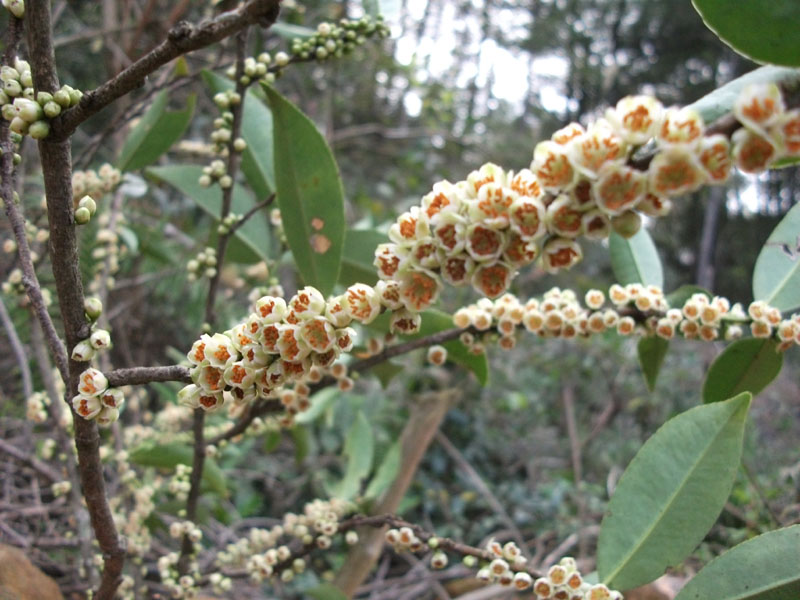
(182, 38)
(143, 375)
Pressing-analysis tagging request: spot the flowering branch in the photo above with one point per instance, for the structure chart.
(143, 375)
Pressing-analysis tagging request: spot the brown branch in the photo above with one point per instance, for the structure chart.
(56, 163)
(246, 216)
(182, 38)
(143, 375)
(31, 461)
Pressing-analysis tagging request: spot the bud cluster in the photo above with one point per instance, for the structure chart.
(582, 182)
(179, 586)
(283, 346)
(336, 40)
(272, 553)
(634, 310)
(36, 407)
(95, 400)
(224, 228)
(565, 581)
(203, 265)
(28, 112)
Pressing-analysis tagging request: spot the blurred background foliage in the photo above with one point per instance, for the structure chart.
(459, 83)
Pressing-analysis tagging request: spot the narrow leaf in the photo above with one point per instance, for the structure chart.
(155, 133)
(763, 568)
(387, 471)
(310, 194)
(357, 256)
(289, 31)
(652, 351)
(168, 456)
(765, 32)
(326, 591)
(635, 260)
(747, 365)
(776, 276)
(720, 102)
(358, 448)
(671, 493)
(254, 234)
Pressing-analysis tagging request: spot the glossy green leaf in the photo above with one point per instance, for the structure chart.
(718, 103)
(254, 234)
(155, 133)
(652, 351)
(290, 31)
(387, 471)
(765, 32)
(358, 448)
(671, 493)
(635, 260)
(357, 256)
(257, 162)
(776, 276)
(168, 456)
(326, 591)
(310, 194)
(747, 365)
(763, 568)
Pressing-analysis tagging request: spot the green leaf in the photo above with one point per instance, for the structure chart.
(786, 161)
(720, 102)
(358, 448)
(776, 276)
(302, 443)
(747, 365)
(320, 403)
(635, 260)
(357, 256)
(257, 162)
(386, 473)
(677, 298)
(168, 456)
(763, 568)
(155, 133)
(326, 591)
(652, 351)
(386, 371)
(310, 194)
(671, 493)
(129, 238)
(765, 32)
(289, 31)
(254, 234)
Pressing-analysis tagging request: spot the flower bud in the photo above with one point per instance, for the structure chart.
(100, 339)
(82, 215)
(83, 351)
(88, 203)
(39, 130)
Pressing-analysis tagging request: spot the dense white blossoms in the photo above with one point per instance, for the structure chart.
(583, 182)
(95, 400)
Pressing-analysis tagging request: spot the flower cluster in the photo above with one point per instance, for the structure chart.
(179, 586)
(582, 182)
(27, 111)
(203, 265)
(565, 581)
(634, 310)
(268, 553)
(95, 400)
(95, 184)
(282, 345)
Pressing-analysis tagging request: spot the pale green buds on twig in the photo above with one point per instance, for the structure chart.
(93, 307)
(82, 215)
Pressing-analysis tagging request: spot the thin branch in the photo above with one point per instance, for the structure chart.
(31, 461)
(251, 212)
(182, 38)
(143, 375)
(18, 349)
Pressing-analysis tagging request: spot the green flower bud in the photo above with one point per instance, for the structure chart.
(88, 202)
(28, 110)
(8, 111)
(82, 215)
(16, 7)
(244, 80)
(39, 130)
(93, 307)
(469, 561)
(52, 109)
(19, 126)
(221, 100)
(61, 97)
(8, 74)
(627, 224)
(13, 88)
(239, 145)
(75, 97)
(4, 99)
(321, 54)
(44, 97)
(17, 158)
